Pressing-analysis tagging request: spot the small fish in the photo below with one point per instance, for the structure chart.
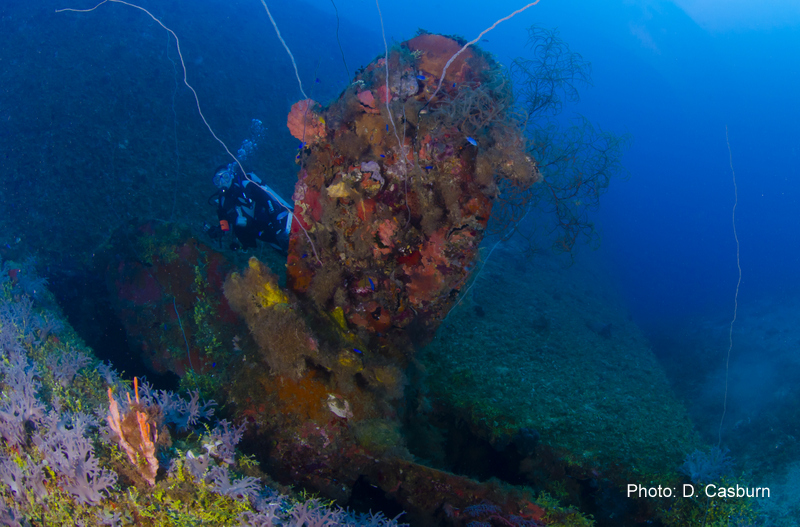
(371, 283)
(428, 168)
(387, 127)
(472, 141)
(357, 350)
(383, 155)
(421, 77)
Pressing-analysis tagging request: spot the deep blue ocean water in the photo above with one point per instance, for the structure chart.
(704, 89)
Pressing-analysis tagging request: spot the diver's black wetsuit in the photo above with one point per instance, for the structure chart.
(253, 213)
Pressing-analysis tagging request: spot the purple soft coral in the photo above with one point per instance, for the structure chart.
(71, 455)
(65, 366)
(19, 405)
(246, 487)
(179, 411)
(224, 439)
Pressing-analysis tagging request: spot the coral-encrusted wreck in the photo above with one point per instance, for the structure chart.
(396, 184)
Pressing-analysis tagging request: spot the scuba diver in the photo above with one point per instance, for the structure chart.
(251, 209)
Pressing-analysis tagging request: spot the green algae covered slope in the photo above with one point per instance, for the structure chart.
(544, 348)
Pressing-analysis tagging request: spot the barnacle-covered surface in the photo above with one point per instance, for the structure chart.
(396, 184)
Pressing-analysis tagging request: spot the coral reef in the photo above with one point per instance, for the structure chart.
(321, 381)
(154, 463)
(394, 194)
(393, 199)
(529, 393)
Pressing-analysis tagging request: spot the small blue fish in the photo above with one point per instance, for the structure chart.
(357, 350)
(387, 127)
(472, 141)
(383, 155)
(428, 168)
(421, 77)
(371, 283)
